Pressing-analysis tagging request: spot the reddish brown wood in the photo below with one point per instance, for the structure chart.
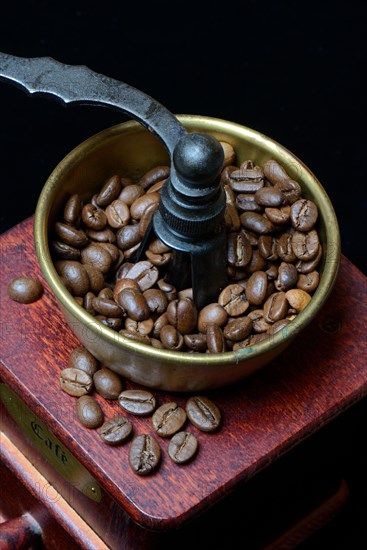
(322, 373)
(19, 533)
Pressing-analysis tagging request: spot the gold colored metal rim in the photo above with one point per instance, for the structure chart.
(217, 127)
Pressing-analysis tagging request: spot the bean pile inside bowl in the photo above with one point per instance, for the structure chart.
(273, 251)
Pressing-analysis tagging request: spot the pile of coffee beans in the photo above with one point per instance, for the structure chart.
(272, 257)
(84, 374)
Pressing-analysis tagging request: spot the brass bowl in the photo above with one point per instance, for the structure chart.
(131, 150)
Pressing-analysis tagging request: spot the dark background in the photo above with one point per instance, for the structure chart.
(291, 70)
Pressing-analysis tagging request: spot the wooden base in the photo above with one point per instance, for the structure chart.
(322, 373)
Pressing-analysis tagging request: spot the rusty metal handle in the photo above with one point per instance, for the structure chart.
(79, 84)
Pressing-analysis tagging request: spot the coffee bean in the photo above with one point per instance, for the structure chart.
(278, 325)
(81, 358)
(89, 412)
(310, 265)
(238, 329)
(285, 248)
(196, 342)
(182, 314)
(73, 210)
(158, 247)
(95, 255)
(232, 218)
(239, 251)
(107, 383)
(247, 203)
(257, 262)
(70, 235)
(256, 288)
(287, 277)
(203, 413)
(259, 324)
(298, 299)
(215, 339)
(279, 216)
(75, 382)
(25, 290)
(96, 278)
(93, 217)
(212, 313)
(153, 176)
(107, 307)
(130, 193)
(168, 419)
(171, 338)
(137, 402)
(269, 196)
(88, 303)
(157, 300)
(256, 222)
(144, 273)
(139, 327)
(305, 245)
(144, 454)
(304, 215)
(139, 206)
(104, 236)
(114, 323)
(229, 153)
(158, 259)
(109, 192)
(275, 307)
(233, 300)
(308, 281)
(64, 251)
(116, 430)
(268, 248)
(74, 275)
(133, 302)
(106, 293)
(118, 214)
(135, 336)
(182, 447)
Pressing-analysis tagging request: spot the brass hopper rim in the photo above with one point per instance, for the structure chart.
(219, 128)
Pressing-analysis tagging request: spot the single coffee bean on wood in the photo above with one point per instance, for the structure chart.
(89, 411)
(144, 454)
(182, 447)
(168, 419)
(116, 430)
(25, 290)
(137, 402)
(75, 382)
(81, 358)
(203, 413)
(107, 383)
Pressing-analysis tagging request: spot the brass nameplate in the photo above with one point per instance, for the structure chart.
(49, 446)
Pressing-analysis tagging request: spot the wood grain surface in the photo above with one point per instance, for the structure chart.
(322, 373)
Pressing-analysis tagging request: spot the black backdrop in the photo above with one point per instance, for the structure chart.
(291, 70)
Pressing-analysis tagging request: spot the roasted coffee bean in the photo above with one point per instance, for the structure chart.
(109, 192)
(203, 413)
(107, 307)
(64, 251)
(74, 275)
(73, 210)
(96, 278)
(257, 262)
(275, 307)
(168, 419)
(247, 203)
(305, 245)
(106, 293)
(25, 290)
(182, 447)
(89, 412)
(287, 277)
(113, 251)
(233, 300)
(156, 187)
(157, 300)
(268, 248)
(154, 175)
(212, 313)
(70, 235)
(182, 314)
(259, 324)
(232, 218)
(93, 217)
(230, 194)
(97, 256)
(139, 206)
(81, 358)
(272, 272)
(248, 179)
(275, 173)
(308, 281)
(128, 236)
(171, 338)
(226, 173)
(158, 259)
(104, 236)
(269, 196)
(133, 302)
(107, 383)
(135, 336)
(304, 215)
(238, 329)
(88, 303)
(155, 343)
(79, 300)
(137, 402)
(140, 327)
(239, 250)
(215, 339)
(279, 216)
(144, 273)
(278, 325)
(114, 323)
(130, 193)
(116, 430)
(75, 382)
(158, 247)
(256, 288)
(144, 454)
(118, 214)
(229, 153)
(250, 341)
(256, 222)
(285, 248)
(196, 342)
(310, 265)
(124, 283)
(298, 299)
